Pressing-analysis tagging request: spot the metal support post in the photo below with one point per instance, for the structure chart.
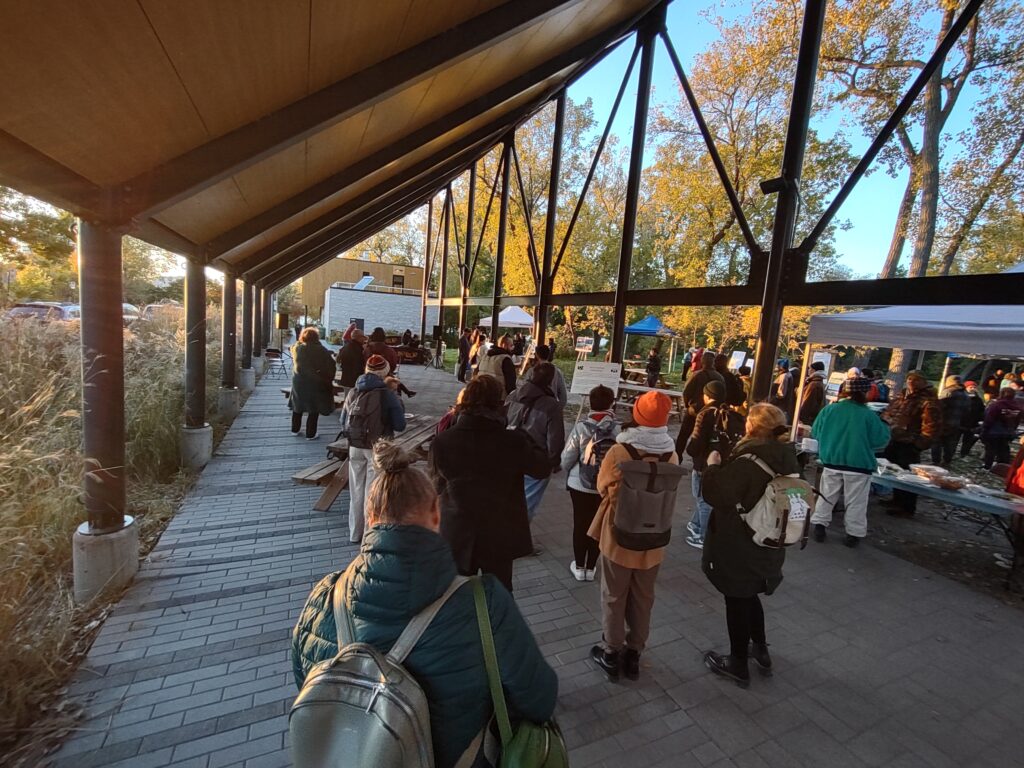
(648, 34)
(499, 256)
(786, 208)
(268, 317)
(427, 267)
(546, 275)
(257, 325)
(246, 325)
(195, 344)
(464, 270)
(99, 280)
(443, 284)
(228, 332)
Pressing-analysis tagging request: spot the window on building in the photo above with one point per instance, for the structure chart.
(398, 281)
(365, 273)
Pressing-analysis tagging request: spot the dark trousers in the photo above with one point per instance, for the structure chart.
(970, 438)
(584, 507)
(997, 450)
(500, 567)
(311, 422)
(745, 619)
(944, 448)
(904, 454)
(461, 368)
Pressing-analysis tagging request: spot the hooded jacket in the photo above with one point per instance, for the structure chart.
(384, 350)
(733, 563)
(914, 417)
(312, 373)
(813, 397)
(599, 425)
(352, 362)
(953, 405)
(536, 410)
(1001, 419)
(498, 363)
(392, 410)
(399, 571)
(557, 385)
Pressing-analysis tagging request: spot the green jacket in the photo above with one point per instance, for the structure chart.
(848, 435)
(399, 571)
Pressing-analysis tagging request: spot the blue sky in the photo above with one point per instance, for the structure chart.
(870, 209)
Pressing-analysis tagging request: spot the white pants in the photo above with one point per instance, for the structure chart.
(360, 475)
(854, 487)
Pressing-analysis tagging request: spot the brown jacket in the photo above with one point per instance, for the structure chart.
(915, 417)
(608, 479)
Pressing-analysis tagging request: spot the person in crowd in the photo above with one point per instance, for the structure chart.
(914, 420)
(1015, 477)
(352, 328)
(543, 353)
(973, 416)
(734, 394)
(535, 408)
(553, 346)
(581, 460)
(695, 361)
(462, 366)
(1002, 417)
(992, 385)
(693, 397)
(497, 362)
(628, 576)
(736, 566)
(415, 343)
(477, 344)
(312, 391)
(953, 405)
(687, 359)
(372, 411)
(653, 367)
(705, 438)
(478, 466)
(407, 337)
(379, 346)
(814, 393)
(848, 434)
(1011, 380)
(783, 394)
(518, 345)
(403, 566)
(744, 373)
(879, 392)
(351, 360)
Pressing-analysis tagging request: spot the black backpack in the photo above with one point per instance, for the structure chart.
(591, 457)
(365, 423)
(729, 429)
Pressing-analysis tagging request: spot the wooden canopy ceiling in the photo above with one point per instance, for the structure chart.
(261, 135)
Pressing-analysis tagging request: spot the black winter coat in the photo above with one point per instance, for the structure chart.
(312, 373)
(478, 467)
(352, 363)
(953, 405)
(733, 563)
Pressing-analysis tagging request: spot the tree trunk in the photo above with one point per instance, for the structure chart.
(899, 233)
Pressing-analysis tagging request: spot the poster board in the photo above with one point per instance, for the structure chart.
(587, 375)
(585, 344)
(835, 381)
(737, 359)
(823, 357)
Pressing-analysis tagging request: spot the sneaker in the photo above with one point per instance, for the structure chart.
(759, 653)
(695, 541)
(631, 664)
(577, 573)
(606, 660)
(851, 541)
(728, 666)
(312, 438)
(819, 532)
(692, 529)
(590, 574)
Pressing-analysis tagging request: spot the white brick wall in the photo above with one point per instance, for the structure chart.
(390, 311)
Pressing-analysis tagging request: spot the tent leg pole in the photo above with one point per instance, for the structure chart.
(800, 391)
(945, 373)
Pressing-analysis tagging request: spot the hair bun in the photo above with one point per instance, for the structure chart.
(389, 458)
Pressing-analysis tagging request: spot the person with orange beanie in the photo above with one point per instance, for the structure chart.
(627, 575)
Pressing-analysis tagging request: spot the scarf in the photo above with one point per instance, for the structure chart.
(648, 439)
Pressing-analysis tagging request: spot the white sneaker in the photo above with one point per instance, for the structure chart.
(590, 574)
(692, 529)
(695, 541)
(578, 573)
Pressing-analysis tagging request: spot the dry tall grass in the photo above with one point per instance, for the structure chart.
(42, 632)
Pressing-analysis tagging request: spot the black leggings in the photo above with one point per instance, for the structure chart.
(584, 507)
(997, 449)
(310, 423)
(745, 619)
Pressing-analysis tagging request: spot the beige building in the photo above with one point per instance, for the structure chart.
(399, 278)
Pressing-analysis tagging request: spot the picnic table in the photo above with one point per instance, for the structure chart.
(629, 392)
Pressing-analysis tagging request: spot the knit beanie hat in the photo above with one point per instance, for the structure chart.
(377, 364)
(651, 409)
(715, 390)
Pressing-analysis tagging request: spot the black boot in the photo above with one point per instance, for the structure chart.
(759, 653)
(851, 541)
(631, 664)
(728, 666)
(606, 660)
(819, 532)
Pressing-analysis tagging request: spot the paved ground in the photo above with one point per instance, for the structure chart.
(879, 663)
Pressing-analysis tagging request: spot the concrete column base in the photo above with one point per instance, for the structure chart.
(196, 446)
(246, 379)
(227, 403)
(104, 561)
(258, 365)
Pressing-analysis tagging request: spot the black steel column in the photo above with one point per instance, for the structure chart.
(102, 332)
(246, 324)
(257, 321)
(427, 267)
(499, 256)
(467, 254)
(444, 261)
(268, 317)
(786, 207)
(195, 344)
(648, 35)
(546, 278)
(228, 349)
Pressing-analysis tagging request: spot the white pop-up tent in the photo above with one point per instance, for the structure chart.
(510, 317)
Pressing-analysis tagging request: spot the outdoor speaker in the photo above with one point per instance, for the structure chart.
(437, 331)
(282, 321)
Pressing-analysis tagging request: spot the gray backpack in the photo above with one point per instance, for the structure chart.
(365, 422)
(363, 707)
(646, 502)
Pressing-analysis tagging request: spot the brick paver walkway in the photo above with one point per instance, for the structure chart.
(879, 663)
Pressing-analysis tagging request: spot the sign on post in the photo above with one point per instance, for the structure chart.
(585, 344)
(823, 357)
(737, 359)
(586, 376)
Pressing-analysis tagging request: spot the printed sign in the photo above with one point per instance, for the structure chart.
(835, 381)
(584, 344)
(586, 376)
(823, 357)
(737, 359)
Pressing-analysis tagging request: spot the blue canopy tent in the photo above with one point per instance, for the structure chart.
(652, 326)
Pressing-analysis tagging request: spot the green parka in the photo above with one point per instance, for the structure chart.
(399, 571)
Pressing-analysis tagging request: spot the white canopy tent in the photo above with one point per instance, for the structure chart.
(510, 317)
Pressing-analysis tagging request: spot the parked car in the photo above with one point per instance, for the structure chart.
(164, 309)
(44, 311)
(130, 313)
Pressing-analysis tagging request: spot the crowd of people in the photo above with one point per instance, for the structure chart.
(470, 512)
